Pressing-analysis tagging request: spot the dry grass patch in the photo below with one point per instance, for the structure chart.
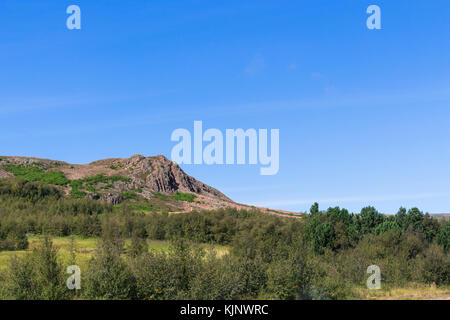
(413, 291)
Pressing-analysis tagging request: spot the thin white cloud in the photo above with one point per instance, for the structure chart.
(16, 105)
(296, 202)
(317, 75)
(254, 188)
(210, 112)
(257, 64)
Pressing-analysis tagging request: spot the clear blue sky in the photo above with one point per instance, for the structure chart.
(363, 115)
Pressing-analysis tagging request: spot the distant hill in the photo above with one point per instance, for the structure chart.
(154, 180)
(442, 215)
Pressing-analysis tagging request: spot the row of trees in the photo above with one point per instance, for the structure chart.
(337, 229)
(188, 272)
(323, 255)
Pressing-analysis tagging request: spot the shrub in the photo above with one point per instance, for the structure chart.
(108, 276)
(37, 174)
(129, 195)
(189, 197)
(434, 266)
(38, 276)
(444, 237)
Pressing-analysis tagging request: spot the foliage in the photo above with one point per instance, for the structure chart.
(39, 276)
(37, 174)
(129, 195)
(89, 183)
(189, 197)
(323, 255)
(444, 237)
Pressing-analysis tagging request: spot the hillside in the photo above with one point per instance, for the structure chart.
(156, 181)
(113, 219)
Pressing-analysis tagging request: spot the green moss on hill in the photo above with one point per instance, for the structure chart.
(39, 175)
(184, 196)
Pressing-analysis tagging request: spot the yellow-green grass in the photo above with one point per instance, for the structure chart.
(5, 256)
(412, 291)
(85, 247)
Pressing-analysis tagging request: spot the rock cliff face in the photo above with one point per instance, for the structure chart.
(159, 174)
(4, 174)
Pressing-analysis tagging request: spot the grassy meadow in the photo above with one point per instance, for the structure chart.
(85, 248)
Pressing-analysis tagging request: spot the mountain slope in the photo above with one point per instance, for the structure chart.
(156, 181)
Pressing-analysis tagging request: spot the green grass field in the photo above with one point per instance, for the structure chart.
(86, 246)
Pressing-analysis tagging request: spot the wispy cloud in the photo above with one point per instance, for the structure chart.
(153, 117)
(15, 105)
(256, 65)
(292, 66)
(317, 75)
(255, 188)
(353, 199)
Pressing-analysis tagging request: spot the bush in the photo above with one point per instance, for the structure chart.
(37, 174)
(38, 276)
(319, 234)
(223, 278)
(444, 237)
(15, 240)
(434, 266)
(189, 197)
(108, 276)
(289, 278)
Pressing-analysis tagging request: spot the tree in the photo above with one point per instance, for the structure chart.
(108, 275)
(39, 275)
(138, 246)
(49, 272)
(444, 237)
(337, 214)
(415, 219)
(289, 277)
(389, 223)
(319, 235)
(370, 219)
(314, 208)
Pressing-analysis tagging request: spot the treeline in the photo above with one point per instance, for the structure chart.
(323, 255)
(408, 247)
(337, 229)
(34, 208)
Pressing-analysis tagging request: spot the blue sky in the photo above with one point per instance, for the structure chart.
(363, 114)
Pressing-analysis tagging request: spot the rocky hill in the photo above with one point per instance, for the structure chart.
(156, 183)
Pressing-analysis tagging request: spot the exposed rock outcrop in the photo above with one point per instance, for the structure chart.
(4, 174)
(163, 175)
(113, 198)
(93, 196)
(158, 174)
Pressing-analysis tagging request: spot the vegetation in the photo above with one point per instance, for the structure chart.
(323, 255)
(80, 186)
(37, 174)
(129, 195)
(189, 197)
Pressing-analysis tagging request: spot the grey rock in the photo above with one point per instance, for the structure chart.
(113, 198)
(93, 196)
